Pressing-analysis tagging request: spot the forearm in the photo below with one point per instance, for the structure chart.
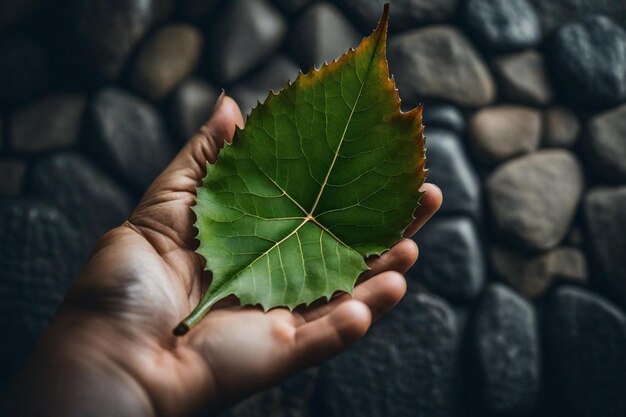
(64, 377)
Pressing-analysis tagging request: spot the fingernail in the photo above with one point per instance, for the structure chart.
(219, 99)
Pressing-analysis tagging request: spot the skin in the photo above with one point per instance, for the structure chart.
(110, 350)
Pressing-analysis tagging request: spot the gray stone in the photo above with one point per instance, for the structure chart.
(534, 198)
(191, 105)
(24, 70)
(405, 366)
(506, 350)
(451, 261)
(39, 261)
(588, 62)
(450, 169)
(605, 141)
(321, 34)
(445, 116)
(606, 231)
(502, 132)
(274, 76)
(553, 14)
(439, 62)
(108, 32)
(12, 173)
(167, 58)
(585, 355)
(561, 127)
(52, 122)
(260, 31)
(405, 14)
(523, 78)
(292, 398)
(92, 203)
(503, 24)
(531, 275)
(128, 136)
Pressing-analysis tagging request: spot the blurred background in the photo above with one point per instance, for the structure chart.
(516, 306)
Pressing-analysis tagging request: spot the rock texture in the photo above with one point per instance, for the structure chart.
(321, 34)
(523, 78)
(506, 349)
(130, 134)
(191, 105)
(444, 116)
(533, 198)
(606, 142)
(50, 123)
(606, 227)
(452, 261)
(561, 127)
(260, 31)
(499, 133)
(531, 275)
(452, 171)
(585, 359)
(588, 61)
(439, 61)
(503, 24)
(413, 350)
(167, 58)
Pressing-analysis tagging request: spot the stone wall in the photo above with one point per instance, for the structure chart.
(516, 306)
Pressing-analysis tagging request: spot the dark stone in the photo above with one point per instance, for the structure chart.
(273, 77)
(445, 116)
(451, 261)
(291, 398)
(405, 366)
(321, 34)
(191, 106)
(39, 260)
(585, 355)
(561, 127)
(90, 200)
(506, 349)
(588, 62)
(291, 6)
(606, 227)
(534, 198)
(503, 24)
(129, 136)
(167, 58)
(450, 169)
(260, 29)
(12, 173)
(605, 141)
(405, 14)
(52, 122)
(24, 71)
(198, 10)
(531, 275)
(13, 12)
(501, 132)
(553, 14)
(523, 78)
(417, 58)
(108, 32)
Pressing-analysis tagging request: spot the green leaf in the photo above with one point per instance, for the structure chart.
(325, 173)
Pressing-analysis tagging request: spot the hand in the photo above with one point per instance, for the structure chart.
(111, 351)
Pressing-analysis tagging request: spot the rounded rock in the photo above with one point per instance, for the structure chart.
(588, 62)
(502, 132)
(561, 127)
(523, 78)
(439, 62)
(605, 141)
(167, 57)
(533, 198)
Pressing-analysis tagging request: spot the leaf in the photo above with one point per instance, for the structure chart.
(325, 173)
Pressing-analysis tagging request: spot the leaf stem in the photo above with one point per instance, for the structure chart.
(196, 315)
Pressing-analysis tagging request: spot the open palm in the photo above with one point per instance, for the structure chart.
(144, 277)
